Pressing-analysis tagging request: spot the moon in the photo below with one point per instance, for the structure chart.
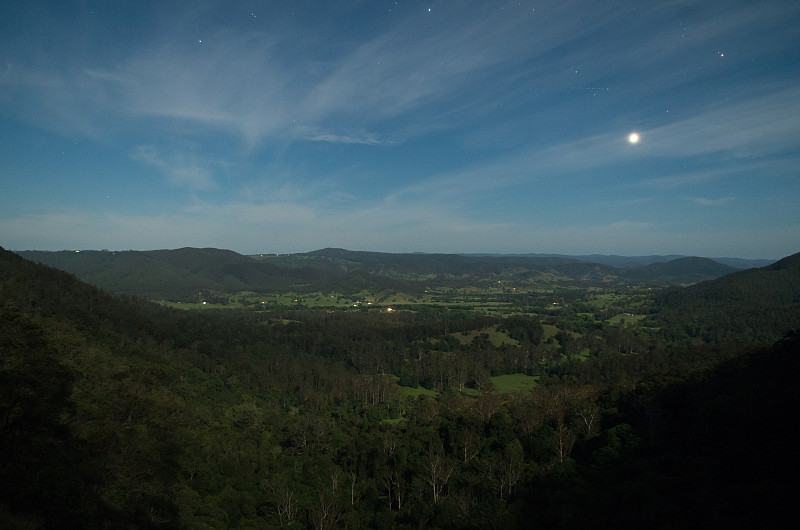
(633, 138)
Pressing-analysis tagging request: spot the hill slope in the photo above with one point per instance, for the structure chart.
(680, 271)
(79, 372)
(534, 268)
(184, 274)
(405, 265)
(760, 304)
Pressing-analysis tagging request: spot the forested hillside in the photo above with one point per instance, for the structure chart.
(754, 304)
(120, 413)
(681, 271)
(189, 274)
(454, 267)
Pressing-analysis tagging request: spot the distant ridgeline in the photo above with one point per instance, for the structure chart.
(182, 273)
(119, 413)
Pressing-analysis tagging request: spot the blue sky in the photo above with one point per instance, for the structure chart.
(444, 126)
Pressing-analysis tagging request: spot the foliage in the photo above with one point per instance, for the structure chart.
(120, 413)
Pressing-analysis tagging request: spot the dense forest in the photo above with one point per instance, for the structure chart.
(116, 412)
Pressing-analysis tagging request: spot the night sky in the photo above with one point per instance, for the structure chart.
(445, 126)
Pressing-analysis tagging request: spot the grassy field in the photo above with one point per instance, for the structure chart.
(195, 305)
(514, 382)
(417, 392)
(630, 300)
(550, 331)
(496, 338)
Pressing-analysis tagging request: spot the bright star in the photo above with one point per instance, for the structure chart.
(633, 138)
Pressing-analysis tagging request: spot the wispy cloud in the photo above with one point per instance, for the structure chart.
(181, 169)
(749, 127)
(683, 178)
(712, 202)
(740, 135)
(632, 202)
(353, 137)
(285, 83)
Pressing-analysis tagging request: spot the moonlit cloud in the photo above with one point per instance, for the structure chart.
(179, 169)
(712, 202)
(350, 138)
(756, 126)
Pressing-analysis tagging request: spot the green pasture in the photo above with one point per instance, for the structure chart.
(417, 392)
(195, 305)
(550, 331)
(634, 298)
(514, 382)
(496, 338)
(600, 302)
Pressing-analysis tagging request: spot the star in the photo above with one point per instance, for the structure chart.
(633, 138)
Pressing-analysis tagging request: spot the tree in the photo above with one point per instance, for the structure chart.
(506, 467)
(438, 467)
(587, 410)
(556, 403)
(469, 438)
(287, 507)
(328, 511)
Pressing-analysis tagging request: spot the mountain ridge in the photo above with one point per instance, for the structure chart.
(624, 262)
(187, 273)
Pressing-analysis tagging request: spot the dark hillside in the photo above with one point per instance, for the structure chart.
(721, 438)
(50, 293)
(709, 451)
(474, 267)
(740, 263)
(75, 385)
(181, 273)
(627, 262)
(753, 304)
(680, 271)
(187, 273)
(440, 264)
(447, 267)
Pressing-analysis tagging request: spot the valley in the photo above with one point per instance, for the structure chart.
(199, 388)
